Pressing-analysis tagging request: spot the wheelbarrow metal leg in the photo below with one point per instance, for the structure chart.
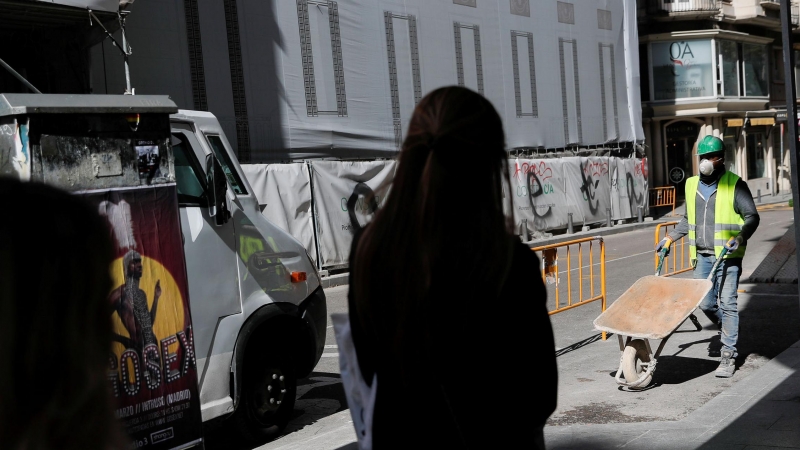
(696, 322)
(647, 345)
(660, 347)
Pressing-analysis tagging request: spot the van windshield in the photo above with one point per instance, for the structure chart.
(227, 165)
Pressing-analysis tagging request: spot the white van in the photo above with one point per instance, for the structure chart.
(258, 309)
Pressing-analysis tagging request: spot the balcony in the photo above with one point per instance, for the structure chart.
(684, 8)
(765, 13)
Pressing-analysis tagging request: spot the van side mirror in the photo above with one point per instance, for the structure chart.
(217, 190)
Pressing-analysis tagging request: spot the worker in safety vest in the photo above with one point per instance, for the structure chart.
(720, 213)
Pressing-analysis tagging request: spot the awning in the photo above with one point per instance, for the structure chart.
(756, 121)
(734, 122)
(24, 15)
(94, 5)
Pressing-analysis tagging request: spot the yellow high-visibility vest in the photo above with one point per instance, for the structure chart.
(727, 223)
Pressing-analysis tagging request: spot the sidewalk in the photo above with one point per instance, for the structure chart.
(759, 412)
(759, 408)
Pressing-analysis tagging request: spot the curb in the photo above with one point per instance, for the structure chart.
(340, 279)
(601, 231)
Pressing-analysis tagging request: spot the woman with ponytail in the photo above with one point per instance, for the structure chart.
(446, 306)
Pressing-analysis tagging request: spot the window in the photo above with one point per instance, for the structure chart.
(402, 54)
(469, 66)
(755, 154)
(320, 42)
(227, 165)
(524, 73)
(188, 174)
(729, 53)
(570, 90)
(754, 70)
(777, 65)
(743, 69)
(608, 90)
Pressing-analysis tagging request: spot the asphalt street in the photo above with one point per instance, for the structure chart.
(587, 391)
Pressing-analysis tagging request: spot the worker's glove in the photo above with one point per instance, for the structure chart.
(734, 243)
(664, 244)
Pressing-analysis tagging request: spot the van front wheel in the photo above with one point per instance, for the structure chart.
(268, 397)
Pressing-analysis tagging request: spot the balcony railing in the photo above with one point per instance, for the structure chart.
(682, 6)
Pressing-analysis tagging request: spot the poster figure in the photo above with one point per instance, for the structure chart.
(149, 159)
(130, 303)
(152, 366)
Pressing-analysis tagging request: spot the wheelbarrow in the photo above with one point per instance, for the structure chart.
(653, 308)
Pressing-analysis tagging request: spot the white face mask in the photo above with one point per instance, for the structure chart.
(706, 167)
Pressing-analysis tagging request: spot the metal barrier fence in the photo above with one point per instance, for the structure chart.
(678, 260)
(663, 196)
(586, 285)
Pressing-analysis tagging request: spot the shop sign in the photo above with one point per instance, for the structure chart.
(682, 69)
(676, 175)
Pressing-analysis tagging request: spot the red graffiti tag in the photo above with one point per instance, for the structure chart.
(640, 168)
(596, 169)
(541, 170)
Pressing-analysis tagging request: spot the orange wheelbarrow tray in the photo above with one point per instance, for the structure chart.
(653, 308)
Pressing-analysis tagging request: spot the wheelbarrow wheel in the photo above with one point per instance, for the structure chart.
(633, 358)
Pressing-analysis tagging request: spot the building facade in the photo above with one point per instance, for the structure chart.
(297, 80)
(714, 67)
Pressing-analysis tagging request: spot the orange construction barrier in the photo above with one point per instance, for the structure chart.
(663, 196)
(583, 282)
(678, 260)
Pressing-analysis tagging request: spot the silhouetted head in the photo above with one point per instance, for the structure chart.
(453, 158)
(443, 222)
(55, 321)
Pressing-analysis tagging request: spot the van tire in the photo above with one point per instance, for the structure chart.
(264, 410)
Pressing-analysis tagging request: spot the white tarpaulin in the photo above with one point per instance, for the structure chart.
(543, 191)
(539, 195)
(636, 185)
(346, 195)
(588, 188)
(556, 71)
(340, 78)
(284, 193)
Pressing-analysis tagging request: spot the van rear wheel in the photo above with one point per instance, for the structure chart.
(268, 397)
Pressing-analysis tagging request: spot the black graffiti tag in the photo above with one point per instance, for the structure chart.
(588, 187)
(361, 190)
(533, 180)
(635, 199)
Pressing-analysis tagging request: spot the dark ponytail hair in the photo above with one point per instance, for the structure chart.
(443, 218)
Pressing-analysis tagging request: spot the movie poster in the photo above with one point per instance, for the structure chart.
(153, 370)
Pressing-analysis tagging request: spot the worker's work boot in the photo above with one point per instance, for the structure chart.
(727, 365)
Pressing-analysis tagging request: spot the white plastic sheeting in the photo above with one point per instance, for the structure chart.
(544, 193)
(559, 73)
(344, 200)
(284, 194)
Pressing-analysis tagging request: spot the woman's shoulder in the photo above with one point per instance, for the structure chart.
(524, 256)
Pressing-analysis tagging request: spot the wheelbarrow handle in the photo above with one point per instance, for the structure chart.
(663, 253)
(719, 260)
